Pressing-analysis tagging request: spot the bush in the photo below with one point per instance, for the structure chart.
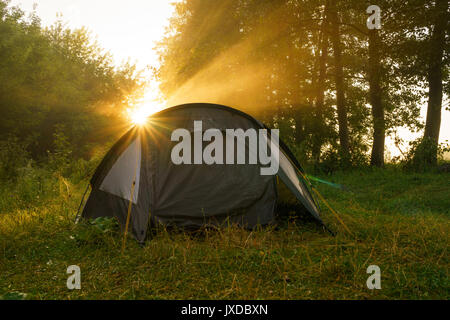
(13, 156)
(60, 159)
(99, 231)
(424, 154)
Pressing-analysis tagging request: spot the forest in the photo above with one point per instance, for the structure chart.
(337, 78)
(314, 69)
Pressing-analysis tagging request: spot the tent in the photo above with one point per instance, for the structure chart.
(138, 181)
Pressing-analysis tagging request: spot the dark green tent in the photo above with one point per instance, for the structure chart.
(138, 178)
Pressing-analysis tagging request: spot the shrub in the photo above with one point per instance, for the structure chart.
(424, 154)
(13, 156)
(98, 231)
(60, 159)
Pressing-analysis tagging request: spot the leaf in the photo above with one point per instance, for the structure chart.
(14, 296)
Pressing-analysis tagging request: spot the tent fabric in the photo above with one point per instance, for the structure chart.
(289, 176)
(189, 196)
(125, 171)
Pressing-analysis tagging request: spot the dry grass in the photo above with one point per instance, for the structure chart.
(400, 223)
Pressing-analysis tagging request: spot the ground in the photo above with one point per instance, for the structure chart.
(398, 221)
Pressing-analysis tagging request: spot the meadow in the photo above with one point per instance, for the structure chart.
(335, 86)
(398, 221)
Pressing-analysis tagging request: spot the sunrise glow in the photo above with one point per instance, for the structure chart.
(140, 115)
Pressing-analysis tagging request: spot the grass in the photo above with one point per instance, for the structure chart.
(399, 222)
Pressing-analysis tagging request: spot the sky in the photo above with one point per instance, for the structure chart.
(129, 30)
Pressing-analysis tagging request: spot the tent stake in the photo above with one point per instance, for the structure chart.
(128, 215)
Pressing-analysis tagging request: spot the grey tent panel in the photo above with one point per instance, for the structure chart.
(124, 172)
(289, 176)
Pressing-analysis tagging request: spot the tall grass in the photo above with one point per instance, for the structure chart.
(399, 221)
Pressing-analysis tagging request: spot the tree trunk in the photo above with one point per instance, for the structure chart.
(339, 79)
(320, 89)
(435, 66)
(375, 94)
(299, 119)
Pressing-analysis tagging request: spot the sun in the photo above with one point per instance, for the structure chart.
(147, 105)
(139, 116)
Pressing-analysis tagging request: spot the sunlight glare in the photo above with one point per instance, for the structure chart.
(145, 107)
(140, 115)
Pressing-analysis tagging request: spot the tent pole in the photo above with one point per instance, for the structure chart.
(128, 215)
(77, 217)
(130, 205)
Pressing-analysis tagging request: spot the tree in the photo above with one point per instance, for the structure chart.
(311, 68)
(57, 77)
(321, 86)
(424, 59)
(375, 94)
(437, 46)
(339, 81)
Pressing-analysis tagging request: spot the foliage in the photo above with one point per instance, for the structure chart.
(13, 157)
(13, 296)
(54, 78)
(418, 157)
(60, 159)
(264, 58)
(97, 231)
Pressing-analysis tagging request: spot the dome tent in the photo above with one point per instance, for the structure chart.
(138, 180)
